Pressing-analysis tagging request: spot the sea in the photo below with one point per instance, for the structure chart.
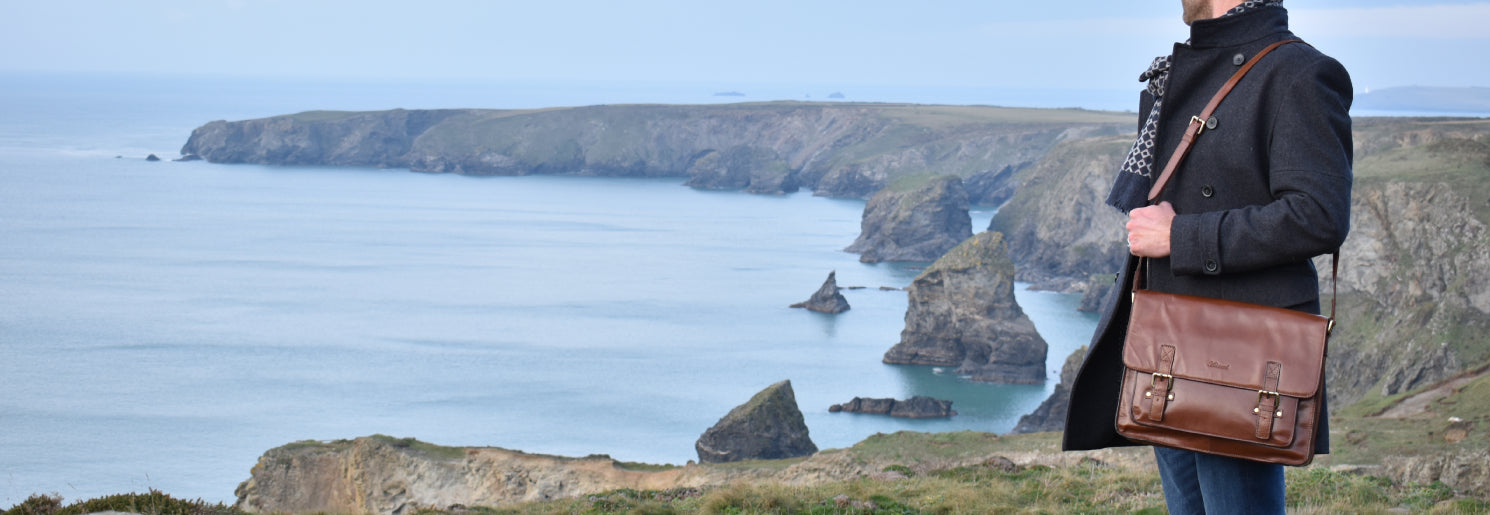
(163, 324)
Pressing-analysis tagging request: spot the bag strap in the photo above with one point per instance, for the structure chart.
(1198, 122)
(1198, 125)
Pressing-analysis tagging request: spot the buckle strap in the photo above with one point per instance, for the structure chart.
(1267, 401)
(1161, 383)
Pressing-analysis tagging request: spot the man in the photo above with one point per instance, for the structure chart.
(1266, 188)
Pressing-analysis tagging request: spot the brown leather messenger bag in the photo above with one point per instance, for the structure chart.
(1217, 376)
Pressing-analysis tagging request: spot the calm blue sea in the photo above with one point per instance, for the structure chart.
(162, 324)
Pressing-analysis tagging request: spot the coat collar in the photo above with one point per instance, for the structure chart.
(1239, 29)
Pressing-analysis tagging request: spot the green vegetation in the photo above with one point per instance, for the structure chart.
(153, 503)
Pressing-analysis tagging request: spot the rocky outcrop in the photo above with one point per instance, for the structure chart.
(1463, 471)
(1099, 291)
(919, 406)
(916, 218)
(962, 313)
(834, 148)
(827, 299)
(769, 426)
(753, 169)
(391, 476)
(152, 157)
(1051, 415)
(1059, 230)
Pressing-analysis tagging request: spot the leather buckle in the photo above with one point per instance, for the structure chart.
(1198, 123)
(1154, 380)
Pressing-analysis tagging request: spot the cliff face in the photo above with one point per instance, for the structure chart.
(916, 218)
(1059, 230)
(836, 149)
(962, 313)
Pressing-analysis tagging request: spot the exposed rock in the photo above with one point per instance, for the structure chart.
(834, 148)
(189, 157)
(769, 426)
(1051, 415)
(1060, 232)
(827, 299)
(152, 157)
(754, 169)
(1465, 471)
(992, 188)
(917, 218)
(962, 313)
(380, 474)
(1098, 292)
(919, 406)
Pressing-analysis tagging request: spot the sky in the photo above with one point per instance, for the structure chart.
(1074, 44)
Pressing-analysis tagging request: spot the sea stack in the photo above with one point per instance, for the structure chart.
(768, 427)
(827, 299)
(962, 313)
(915, 218)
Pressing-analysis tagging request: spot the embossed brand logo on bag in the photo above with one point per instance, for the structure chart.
(1217, 364)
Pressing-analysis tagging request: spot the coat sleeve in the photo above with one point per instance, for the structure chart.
(1309, 173)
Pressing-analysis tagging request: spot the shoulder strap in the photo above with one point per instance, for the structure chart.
(1197, 123)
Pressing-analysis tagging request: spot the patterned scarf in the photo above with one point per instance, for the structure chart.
(1131, 189)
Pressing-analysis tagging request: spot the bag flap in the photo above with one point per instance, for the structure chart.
(1227, 342)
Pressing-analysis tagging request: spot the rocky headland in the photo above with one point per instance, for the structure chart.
(835, 149)
(915, 218)
(962, 313)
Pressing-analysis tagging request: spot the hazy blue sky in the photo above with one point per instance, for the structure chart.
(1099, 44)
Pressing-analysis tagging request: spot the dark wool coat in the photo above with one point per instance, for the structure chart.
(1260, 194)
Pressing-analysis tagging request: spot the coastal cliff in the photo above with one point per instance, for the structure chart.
(915, 218)
(835, 149)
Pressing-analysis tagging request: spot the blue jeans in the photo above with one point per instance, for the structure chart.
(1202, 483)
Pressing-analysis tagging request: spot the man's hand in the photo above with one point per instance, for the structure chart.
(1148, 230)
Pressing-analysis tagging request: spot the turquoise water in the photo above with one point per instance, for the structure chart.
(163, 324)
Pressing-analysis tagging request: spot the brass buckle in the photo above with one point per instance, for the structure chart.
(1261, 394)
(1154, 380)
(1199, 124)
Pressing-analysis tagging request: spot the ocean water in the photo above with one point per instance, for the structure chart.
(162, 324)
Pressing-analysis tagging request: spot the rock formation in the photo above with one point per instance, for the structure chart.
(827, 299)
(962, 313)
(916, 218)
(769, 426)
(834, 148)
(1098, 292)
(753, 169)
(1059, 230)
(919, 406)
(152, 157)
(1051, 415)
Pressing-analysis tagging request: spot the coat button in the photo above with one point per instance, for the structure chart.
(1210, 265)
(1207, 192)
(1210, 123)
(1238, 59)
